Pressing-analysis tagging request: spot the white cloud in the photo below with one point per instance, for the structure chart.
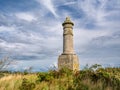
(92, 11)
(70, 3)
(91, 8)
(49, 5)
(6, 28)
(83, 37)
(25, 16)
(12, 46)
(96, 11)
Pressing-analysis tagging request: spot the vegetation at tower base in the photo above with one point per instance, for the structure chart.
(90, 78)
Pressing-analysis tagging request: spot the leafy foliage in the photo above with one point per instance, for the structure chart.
(26, 85)
(44, 76)
(100, 75)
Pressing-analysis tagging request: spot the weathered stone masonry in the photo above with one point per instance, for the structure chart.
(68, 58)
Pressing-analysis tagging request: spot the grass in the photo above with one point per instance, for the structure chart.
(87, 79)
(13, 81)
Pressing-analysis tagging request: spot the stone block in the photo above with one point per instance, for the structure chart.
(68, 60)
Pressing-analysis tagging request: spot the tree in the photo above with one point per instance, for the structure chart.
(4, 62)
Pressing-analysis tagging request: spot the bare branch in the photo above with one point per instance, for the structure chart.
(4, 62)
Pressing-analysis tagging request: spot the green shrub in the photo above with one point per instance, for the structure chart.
(55, 74)
(105, 76)
(1, 75)
(44, 76)
(26, 85)
(65, 72)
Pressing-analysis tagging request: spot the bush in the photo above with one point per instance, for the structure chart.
(26, 85)
(81, 86)
(1, 75)
(45, 77)
(103, 76)
(65, 72)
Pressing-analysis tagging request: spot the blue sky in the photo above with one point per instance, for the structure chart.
(31, 31)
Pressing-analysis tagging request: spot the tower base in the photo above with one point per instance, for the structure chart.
(69, 61)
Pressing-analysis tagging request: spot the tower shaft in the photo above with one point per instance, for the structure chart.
(68, 40)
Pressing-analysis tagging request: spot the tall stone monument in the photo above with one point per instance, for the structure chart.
(68, 58)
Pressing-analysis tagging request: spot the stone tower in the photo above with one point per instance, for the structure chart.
(68, 58)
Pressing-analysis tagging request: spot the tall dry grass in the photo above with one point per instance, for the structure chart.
(13, 81)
